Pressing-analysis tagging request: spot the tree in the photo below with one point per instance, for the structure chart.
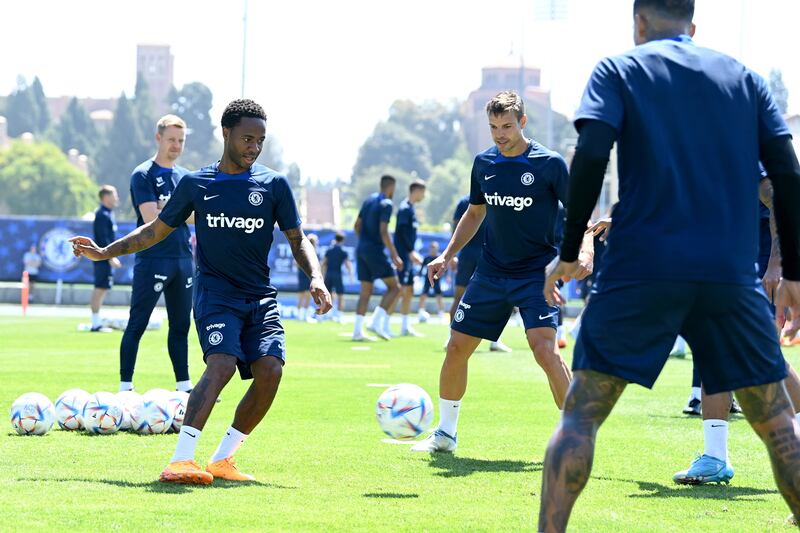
(439, 125)
(193, 104)
(143, 110)
(392, 145)
(294, 176)
(118, 155)
(22, 110)
(369, 182)
(76, 130)
(38, 179)
(779, 90)
(272, 154)
(43, 112)
(447, 184)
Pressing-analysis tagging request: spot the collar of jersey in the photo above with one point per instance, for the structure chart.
(222, 176)
(682, 38)
(521, 157)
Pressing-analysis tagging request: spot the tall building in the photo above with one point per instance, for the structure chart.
(155, 63)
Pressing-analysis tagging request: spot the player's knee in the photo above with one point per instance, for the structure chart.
(458, 348)
(544, 351)
(268, 370)
(220, 369)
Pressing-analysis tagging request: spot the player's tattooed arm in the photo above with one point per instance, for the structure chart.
(139, 239)
(303, 252)
(568, 462)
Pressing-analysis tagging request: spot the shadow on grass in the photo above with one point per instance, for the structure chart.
(395, 495)
(709, 492)
(457, 466)
(158, 486)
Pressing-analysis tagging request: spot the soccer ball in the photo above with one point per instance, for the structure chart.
(404, 411)
(32, 414)
(69, 408)
(102, 413)
(155, 415)
(178, 401)
(129, 400)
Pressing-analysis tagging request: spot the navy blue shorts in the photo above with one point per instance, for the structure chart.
(303, 281)
(432, 290)
(103, 278)
(154, 276)
(245, 329)
(466, 268)
(335, 284)
(487, 303)
(373, 265)
(628, 329)
(406, 274)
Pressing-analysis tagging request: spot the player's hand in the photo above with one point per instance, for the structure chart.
(416, 258)
(86, 247)
(437, 268)
(319, 292)
(558, 270)
(787, 295)
(114, 262)
(771, 278)
(600, 228)
(585, 266)
(398, 263)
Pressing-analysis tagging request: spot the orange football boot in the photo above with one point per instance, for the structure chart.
(185, 472)
(226, 469)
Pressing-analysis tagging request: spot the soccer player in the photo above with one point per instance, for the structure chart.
(405, 238)
(236, 204)
(372, 228)
(428, 288)
(304, 311)
(31, 260)
(516, 186)
(466, 263)
(167, 267)
(691, 125)
(105, 228)
(335, 257)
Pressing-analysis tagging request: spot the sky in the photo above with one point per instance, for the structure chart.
(327, 72)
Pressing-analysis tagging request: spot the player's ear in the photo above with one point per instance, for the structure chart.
(523, 121)
(225, 132)
(692, 29)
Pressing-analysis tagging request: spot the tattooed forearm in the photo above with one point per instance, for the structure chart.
(139, 239)
(568, 462)
(303, 252)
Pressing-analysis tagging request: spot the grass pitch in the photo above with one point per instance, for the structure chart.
(320, 461)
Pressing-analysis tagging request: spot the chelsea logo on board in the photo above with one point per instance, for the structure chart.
(255, 198)
(527, 178)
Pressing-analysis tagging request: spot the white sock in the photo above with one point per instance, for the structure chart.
(560, 332)
(96, 322)
(797, 417)
(680, 345)
(716, 438)
(230, 443)
(448, 415)
(404, 326)
(576, 328)
(187, 442)
(377, 317)
(185, 386)
(125, 385)
(695, 393)
(386, 318)
(358, 329)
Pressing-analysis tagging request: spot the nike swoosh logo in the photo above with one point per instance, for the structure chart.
(717, 425)
(487, 178)
(193, 436)
(210, 197)
(548, 316)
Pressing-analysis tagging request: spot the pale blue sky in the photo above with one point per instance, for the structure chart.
(326, 72)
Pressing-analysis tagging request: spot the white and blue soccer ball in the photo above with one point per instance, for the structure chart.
(32, 414)
(178, 400)
(102, 413)
(130, 401)
(404, 411)
(155, 415)
(69, 409)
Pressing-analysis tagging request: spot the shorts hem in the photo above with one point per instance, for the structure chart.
(456, 326)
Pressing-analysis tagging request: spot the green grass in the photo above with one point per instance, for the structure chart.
(319, 457)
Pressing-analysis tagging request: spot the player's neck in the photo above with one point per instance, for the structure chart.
(163, 162)
(226, 166)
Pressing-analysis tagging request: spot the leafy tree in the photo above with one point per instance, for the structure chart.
(22, 110)
(392, 145)
(76, 130)
(369, 182)
(42, 111)
(779, 90)
(294, 176)
(143, 111)
(447, 184)
(193, 104)
(272, 154)
(438, 124)
(38, 179)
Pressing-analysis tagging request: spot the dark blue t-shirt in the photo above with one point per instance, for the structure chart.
(375, 209)
(472, 249)
(234, 219)
(405, 229)
(335, 257)
(105, 227)
(521, 195)
(153, 183)
(689, 122)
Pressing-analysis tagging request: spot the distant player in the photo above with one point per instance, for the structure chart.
(304, 311)
(516, 186)
(405, 238)
(430, 288)
(31, 260)
(236, 204)
(335, 257)
(167, 267)
(466, 263)
(682, 248)
(105, 229)
(372, 228)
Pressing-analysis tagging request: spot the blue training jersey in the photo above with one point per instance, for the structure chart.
(335, 257)
(105, 227)
(472, 249)
(521, 195)
(689, 123)
(405, 229)
(375, 209)
(234, 219)
(151, 182)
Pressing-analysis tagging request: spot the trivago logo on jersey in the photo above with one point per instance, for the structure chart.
(517, 202)
(249, 225)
